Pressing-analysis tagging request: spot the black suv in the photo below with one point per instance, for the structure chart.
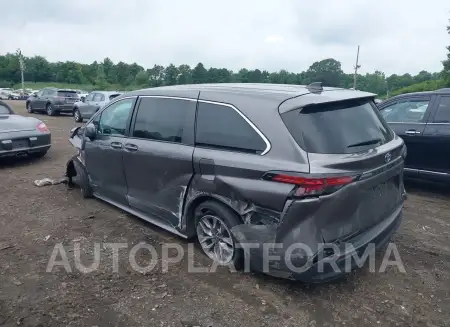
(422, 120)
(233, 164)
(52, 101)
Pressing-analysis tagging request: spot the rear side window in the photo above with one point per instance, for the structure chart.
(99, 97)
(112, 96)
(443, 111)
(163, 119)
(344, 127)
(406, 111)
(67, 94)
(222, 127)
(89, 97)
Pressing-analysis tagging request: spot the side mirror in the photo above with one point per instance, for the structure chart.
(83, 99)
(90, 131)
(34, 95)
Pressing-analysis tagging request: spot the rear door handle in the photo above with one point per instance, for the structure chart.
(116, 145)
(131, 147)
(412, 132)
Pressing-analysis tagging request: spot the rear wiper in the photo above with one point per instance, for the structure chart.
(369, 142)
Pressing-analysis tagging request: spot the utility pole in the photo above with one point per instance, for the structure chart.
(356, 69)
(22, 67)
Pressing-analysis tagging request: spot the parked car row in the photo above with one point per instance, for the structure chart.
(53, 101)
(10, 94)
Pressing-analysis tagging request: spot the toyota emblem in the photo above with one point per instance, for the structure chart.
(387, 157)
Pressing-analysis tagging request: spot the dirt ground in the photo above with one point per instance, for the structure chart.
(33, 220)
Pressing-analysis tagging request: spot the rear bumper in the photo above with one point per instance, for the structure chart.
(23, 151)
(30, 144)
(321, 266)
(334, 227)
(64, 107)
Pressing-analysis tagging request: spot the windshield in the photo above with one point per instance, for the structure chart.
(335, 128)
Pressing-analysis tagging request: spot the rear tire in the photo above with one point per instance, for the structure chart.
(83, 180)
(49, 109)
(77, 115)
(29, 108)
(206, 214)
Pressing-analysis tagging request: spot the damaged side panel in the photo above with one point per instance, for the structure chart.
(256, 201)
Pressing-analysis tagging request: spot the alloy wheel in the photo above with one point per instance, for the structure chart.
(76, 115)
(215, 238)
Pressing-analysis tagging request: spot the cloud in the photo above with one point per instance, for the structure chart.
(274, 38)
(395, 36)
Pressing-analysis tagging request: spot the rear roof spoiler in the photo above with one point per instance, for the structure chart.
(323, 97)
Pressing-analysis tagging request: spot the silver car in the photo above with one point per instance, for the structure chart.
(92, 103)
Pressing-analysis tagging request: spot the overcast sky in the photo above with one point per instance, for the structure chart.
(396, 36)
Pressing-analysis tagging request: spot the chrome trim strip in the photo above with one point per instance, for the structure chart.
(381, 169)
(268, 145)
(438, 123)
(264, 138)
(167, 97)
(141, 215)
(432, 172)
(401, 122)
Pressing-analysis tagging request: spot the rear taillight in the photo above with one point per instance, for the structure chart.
(41, 127)
(311, 185)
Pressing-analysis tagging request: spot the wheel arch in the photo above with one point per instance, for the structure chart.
(195, 202)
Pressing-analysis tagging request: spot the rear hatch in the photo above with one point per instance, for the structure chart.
(356, 159)
(68, 96)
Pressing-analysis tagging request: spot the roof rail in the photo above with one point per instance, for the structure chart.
(447, 89)
(315, 87)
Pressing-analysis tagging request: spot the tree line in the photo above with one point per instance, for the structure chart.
(109, 75)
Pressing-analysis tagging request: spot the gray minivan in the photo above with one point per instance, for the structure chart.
(233, 164)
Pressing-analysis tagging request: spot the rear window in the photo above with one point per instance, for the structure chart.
(344, 127)
(68, 94)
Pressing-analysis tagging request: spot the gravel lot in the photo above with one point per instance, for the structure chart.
(33, 220)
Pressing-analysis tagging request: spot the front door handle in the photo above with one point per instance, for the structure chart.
(412, 132)
(131, 147)
(116, 145)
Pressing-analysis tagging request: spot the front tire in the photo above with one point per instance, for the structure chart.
(83, 180)
(77, 115)
(49, 109)
(214, 222)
